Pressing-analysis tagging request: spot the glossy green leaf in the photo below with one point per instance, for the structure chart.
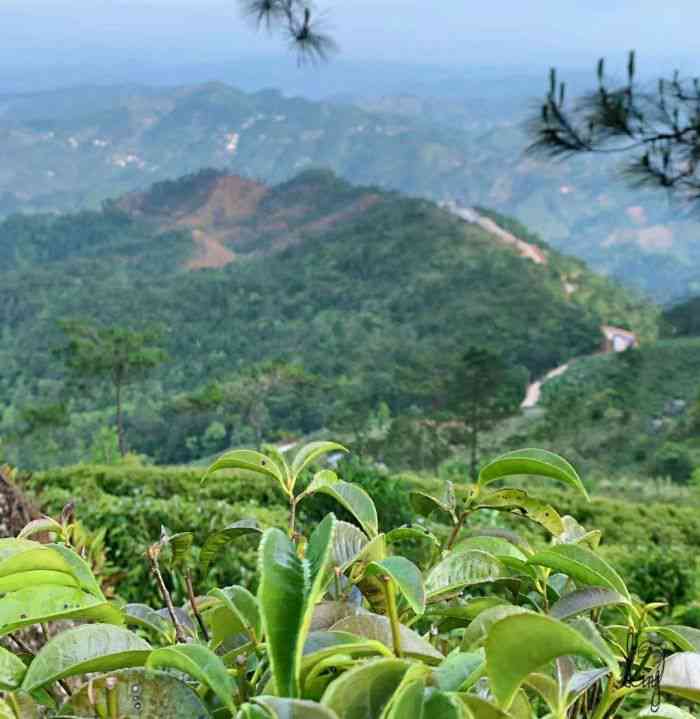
(294, 708)
(179, 545)
(143, 616)
(537, 462)
(574, 533)
(406, 576)
(80, 568)
(6, 711)
(289, 589)
(20, 580)
(442, 705)
(687, 639)
(681, 676)
(378, 628)
(455, 616)
(12, 671)
(582, 565)
(365, 691)
(250, 461)
(244, 606)
(348, 543)
(664, 711)
(412, 533)
(459, 671)
(217, 541)
(463, 569)
(311, 452)
(201, 664)
(477, 632)
(546, 687)
(83, 650)
(141, 693)
(39, 526)
(445, 502)
(585, 600)
(326, 614)
(519, 502)
(480, 708)
(10, 546)
(407, 701)
(520, 644)
(497, 546)
(353, 498)
(589, 630)
(47, 603)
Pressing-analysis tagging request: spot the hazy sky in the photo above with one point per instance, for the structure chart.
(521, 33)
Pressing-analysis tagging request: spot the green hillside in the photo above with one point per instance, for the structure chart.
(338, 299)
(71, 149)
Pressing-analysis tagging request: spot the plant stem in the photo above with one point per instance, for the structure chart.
(112, 698)
(193, 604)
(292, 517)
(390, 594)
(152, 554)
(456, 529)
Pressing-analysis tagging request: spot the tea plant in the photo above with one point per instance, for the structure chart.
(342, 625)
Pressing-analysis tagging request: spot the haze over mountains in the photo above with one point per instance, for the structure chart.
(71, 149)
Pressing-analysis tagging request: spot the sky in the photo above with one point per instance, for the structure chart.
(448, 33)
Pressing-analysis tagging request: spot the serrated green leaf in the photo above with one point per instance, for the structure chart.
(143, 616)
(406, 576)
(687, 639)
(519, 502)
(364, 691)
(353, 498)
(521, 644)
(250, 461)
(477, 632)
(12, 671)
(585, 600)
(582, 565)
(537, 462)
(201, 664)
(416, 533)
(47, 603)
(294, 708)
(461, 570)
(216, 541)
(311, 452)
(425, 504)
(348, 543)
(496, 546)
(83, 650)
(459, 671)
(80, 569)
(377, 627)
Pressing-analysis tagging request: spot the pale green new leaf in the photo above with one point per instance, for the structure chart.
(519, 502)
(585, 600)
(520, 644)
(463, 569)
(482, 709)
(311, 452)
(243, 605)
(407, 577)
(47, 603)
(402, 534)
(201, 664)
(537, 462)
(251, 461)
(350, 496)
(289, 589)
(20, 580)
(459, 671)
(425, 504)
(681, 676)
(83, 650)
(407, 701)
(216, 541)
(497, 546)
(582, 565)
(38, 526)
(12, 671)
(10, 546)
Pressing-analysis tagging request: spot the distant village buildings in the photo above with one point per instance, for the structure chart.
(615, 339)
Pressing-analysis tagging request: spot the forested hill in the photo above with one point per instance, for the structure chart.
(70, 149)
(328, 301)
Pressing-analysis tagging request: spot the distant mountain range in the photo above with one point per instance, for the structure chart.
(71, 149)
(360, 296)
